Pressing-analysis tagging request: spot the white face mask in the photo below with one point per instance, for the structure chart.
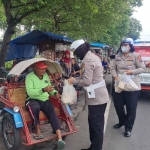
(125, 49)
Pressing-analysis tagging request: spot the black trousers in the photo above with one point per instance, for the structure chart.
(96, 125)
(128, 99)
(35, 106)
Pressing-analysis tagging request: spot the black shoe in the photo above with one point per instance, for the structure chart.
(127, 134)
(117, 126)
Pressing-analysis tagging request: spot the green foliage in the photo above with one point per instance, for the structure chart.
(135, 29)
(135, 3)
(105, 21)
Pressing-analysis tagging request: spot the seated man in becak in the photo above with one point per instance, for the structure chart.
(38, 89)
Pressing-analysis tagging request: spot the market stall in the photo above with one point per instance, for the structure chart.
(27, 46)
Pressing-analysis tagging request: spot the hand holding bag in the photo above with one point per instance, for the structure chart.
(69, 95)
(126, 83)
(117, 89)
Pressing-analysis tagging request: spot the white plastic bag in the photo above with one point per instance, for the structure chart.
(117, 89)
(126, 83)
(69, 95)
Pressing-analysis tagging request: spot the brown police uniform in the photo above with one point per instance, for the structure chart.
(119, 65)
(92, 74)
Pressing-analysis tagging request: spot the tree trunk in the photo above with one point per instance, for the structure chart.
(4, 47)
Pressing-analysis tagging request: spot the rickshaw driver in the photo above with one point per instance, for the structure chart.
(38, 88)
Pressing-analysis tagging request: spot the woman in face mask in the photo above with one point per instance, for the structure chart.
(131, 63)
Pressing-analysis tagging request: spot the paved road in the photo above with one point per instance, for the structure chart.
(140, 139)
(114, 139)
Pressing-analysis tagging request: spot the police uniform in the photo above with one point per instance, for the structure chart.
(119, 65)
(96, 98)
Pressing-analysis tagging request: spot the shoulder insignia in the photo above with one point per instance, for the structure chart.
(82, 68)
(139, 58)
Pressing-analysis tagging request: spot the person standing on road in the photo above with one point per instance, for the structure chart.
(131, 63)
(97, 94)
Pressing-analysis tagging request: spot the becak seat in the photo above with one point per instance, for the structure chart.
(18, 95)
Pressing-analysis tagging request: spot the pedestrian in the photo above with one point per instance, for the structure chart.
(97, 94)
(98, 53)
(75, 68)
(66, 64)
(131, 63)
(105, 65)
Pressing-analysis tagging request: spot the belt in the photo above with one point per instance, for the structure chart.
(98, 85)
(90, 89)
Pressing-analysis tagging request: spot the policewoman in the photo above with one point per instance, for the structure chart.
(97, 95)
(130, 62)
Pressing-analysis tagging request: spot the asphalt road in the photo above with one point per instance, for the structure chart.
(140, 138)
(114, 139)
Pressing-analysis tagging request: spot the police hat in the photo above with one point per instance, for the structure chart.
(76, 44)
(127, 41)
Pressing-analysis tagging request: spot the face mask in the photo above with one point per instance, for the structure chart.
(125, 49)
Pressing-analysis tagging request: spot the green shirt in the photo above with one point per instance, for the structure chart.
(34, 87)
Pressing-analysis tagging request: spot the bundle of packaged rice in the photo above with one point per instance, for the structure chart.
(48, 54)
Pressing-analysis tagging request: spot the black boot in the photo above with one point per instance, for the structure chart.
(127, 133)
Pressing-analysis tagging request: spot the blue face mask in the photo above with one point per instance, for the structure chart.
(125, 49)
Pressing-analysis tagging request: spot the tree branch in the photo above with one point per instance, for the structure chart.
(30, 3)
(16, 14)
(28, 13)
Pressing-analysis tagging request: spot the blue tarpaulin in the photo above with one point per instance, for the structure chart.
(37, 36)
(100, 45)
(26, 51)
(25, 47)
